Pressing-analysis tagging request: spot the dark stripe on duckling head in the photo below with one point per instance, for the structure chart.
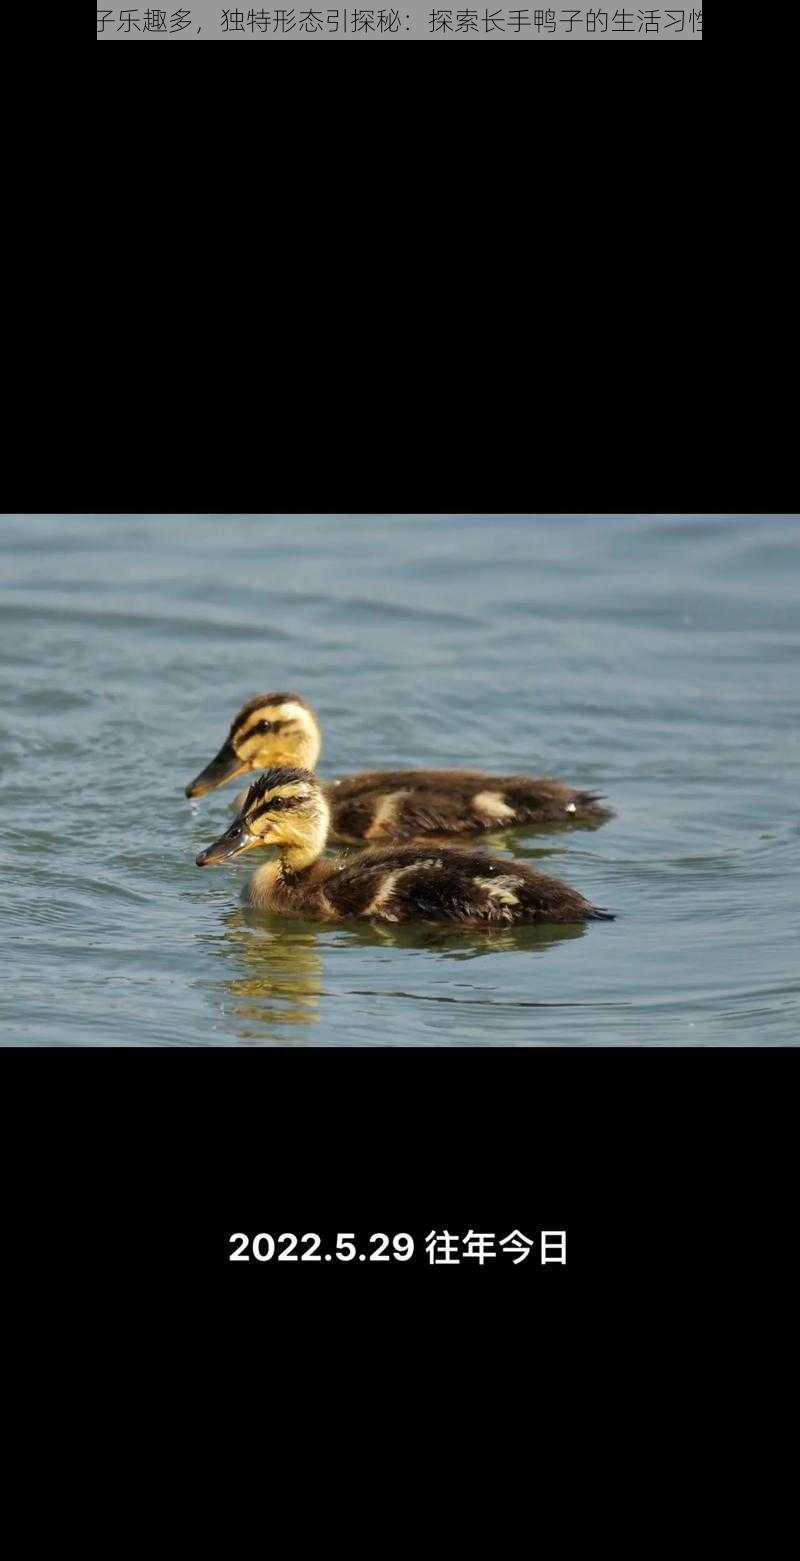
(261, 702)
(274, 805)
(273, 778)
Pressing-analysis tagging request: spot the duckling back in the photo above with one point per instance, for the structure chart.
(409, 804)
(413, 883)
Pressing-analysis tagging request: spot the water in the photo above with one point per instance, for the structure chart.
(655, 660)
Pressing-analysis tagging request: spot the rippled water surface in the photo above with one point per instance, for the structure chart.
(655, 660)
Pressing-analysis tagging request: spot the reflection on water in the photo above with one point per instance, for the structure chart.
(279, 965)
(279, 977)
(453, 942)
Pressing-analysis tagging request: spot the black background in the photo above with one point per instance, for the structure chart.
(673, 1171)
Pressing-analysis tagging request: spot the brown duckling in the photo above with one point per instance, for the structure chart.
(289, 809)
(272, 730)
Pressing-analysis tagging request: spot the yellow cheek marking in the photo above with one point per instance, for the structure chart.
(247, 748)
(492, 804)
(385, 814)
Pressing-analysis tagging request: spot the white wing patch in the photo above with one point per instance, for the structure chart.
(387, 888)
(501, 888)
(385, 813)
(492, 804)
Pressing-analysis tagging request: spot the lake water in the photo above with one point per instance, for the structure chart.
(656, 660)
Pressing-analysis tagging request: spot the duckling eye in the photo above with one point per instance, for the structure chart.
(263, 726)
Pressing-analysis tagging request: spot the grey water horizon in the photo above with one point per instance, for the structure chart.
(650, 658)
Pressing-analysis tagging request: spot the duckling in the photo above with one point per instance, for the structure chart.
(273, 730)
(289, 809)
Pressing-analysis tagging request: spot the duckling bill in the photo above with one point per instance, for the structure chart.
(288, 808)
(272, 731)
(224, 767)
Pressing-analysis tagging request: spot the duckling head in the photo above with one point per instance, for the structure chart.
(270, 730)
(283, 808)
